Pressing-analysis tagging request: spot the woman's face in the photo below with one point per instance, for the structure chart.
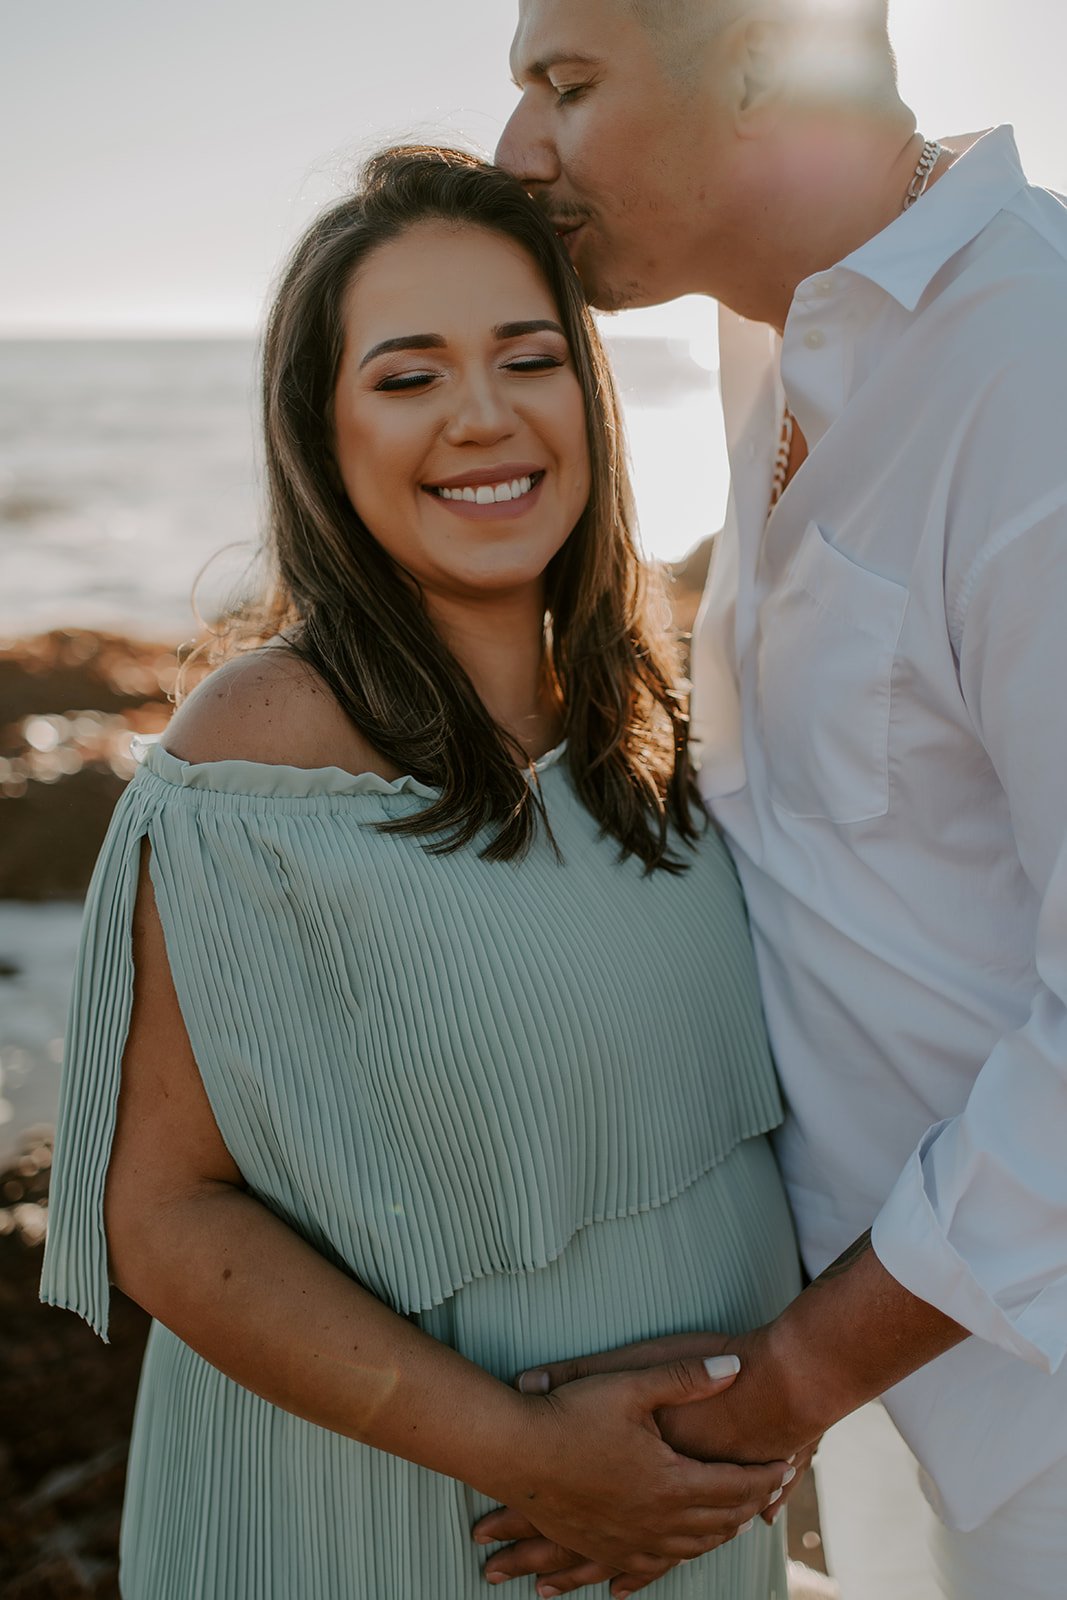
(459, 422)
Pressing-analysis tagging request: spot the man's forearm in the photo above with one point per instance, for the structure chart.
(852, 1334)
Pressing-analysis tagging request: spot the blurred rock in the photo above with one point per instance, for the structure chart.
(66, 1405)
(70, 702)
(51, 672)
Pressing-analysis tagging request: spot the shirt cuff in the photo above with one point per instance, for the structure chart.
(912, 1244)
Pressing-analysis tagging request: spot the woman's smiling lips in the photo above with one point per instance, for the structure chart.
(492, 494)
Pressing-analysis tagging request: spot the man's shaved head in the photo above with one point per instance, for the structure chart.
(677, 26)
(859, 27)
(666, 16)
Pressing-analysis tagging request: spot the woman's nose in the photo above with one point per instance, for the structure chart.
(481, 414)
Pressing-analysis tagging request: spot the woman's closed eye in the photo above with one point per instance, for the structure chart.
(399, 382)
(543, 363)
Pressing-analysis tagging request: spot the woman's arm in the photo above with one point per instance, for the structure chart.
(189, 1243)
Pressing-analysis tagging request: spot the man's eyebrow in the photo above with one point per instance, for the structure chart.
(405, 341)
(437, 341)
(542, 67)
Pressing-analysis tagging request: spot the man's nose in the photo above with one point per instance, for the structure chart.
(525, 148)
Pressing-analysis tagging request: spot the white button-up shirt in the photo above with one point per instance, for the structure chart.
(881, 714)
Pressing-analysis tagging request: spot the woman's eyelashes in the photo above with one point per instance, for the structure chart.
(399, 382)
(534, 363)
(405, 380)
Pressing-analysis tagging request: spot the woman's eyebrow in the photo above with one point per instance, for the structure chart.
(516, 330)
(437, 341)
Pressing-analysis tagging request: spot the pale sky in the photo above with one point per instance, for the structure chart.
(159, 158)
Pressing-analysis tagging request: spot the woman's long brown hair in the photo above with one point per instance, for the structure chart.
(361, 624)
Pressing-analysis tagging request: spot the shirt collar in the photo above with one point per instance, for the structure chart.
(905, 257)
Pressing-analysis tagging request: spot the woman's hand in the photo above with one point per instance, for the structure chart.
(594, 1474)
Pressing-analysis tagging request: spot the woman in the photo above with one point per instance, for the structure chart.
(438, 1047)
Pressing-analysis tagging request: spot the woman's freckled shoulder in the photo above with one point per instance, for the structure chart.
(271, 707)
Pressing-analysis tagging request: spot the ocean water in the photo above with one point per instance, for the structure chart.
(38, 944)
(128, 467)
(125, 466)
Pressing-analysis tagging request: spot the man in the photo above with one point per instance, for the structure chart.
(880, 670)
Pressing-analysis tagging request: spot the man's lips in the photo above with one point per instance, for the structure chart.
(568, 234)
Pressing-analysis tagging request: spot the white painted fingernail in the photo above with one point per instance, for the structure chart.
(746, 1525)
(777, 1495)
(789, 1476)
(722, 1366)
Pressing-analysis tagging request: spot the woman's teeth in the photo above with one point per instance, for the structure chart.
(487, 493)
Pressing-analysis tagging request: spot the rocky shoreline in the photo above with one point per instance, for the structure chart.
(70, 702)
(66, 1405)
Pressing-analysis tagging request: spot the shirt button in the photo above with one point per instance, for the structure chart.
(815, 339)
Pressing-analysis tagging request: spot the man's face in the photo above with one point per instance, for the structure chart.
(623, 154)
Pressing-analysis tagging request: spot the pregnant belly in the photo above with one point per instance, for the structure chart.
(223, 1488)
(721, 1254)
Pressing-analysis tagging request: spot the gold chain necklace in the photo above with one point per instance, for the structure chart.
(931, 155)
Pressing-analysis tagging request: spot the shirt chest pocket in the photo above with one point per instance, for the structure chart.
(828, 635)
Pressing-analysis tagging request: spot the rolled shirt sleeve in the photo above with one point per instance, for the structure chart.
(977, 1222)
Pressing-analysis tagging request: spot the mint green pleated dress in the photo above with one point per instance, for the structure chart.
(524, 1103)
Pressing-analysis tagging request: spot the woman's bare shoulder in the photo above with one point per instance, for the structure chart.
(272, 707)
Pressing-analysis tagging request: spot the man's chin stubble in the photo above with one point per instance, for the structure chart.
(609, 297)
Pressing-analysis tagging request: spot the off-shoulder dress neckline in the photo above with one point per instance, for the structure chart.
(268, 779)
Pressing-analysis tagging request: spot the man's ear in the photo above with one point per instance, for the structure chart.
(761, 55)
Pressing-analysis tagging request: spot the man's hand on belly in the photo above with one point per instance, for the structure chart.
(853, 1333)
